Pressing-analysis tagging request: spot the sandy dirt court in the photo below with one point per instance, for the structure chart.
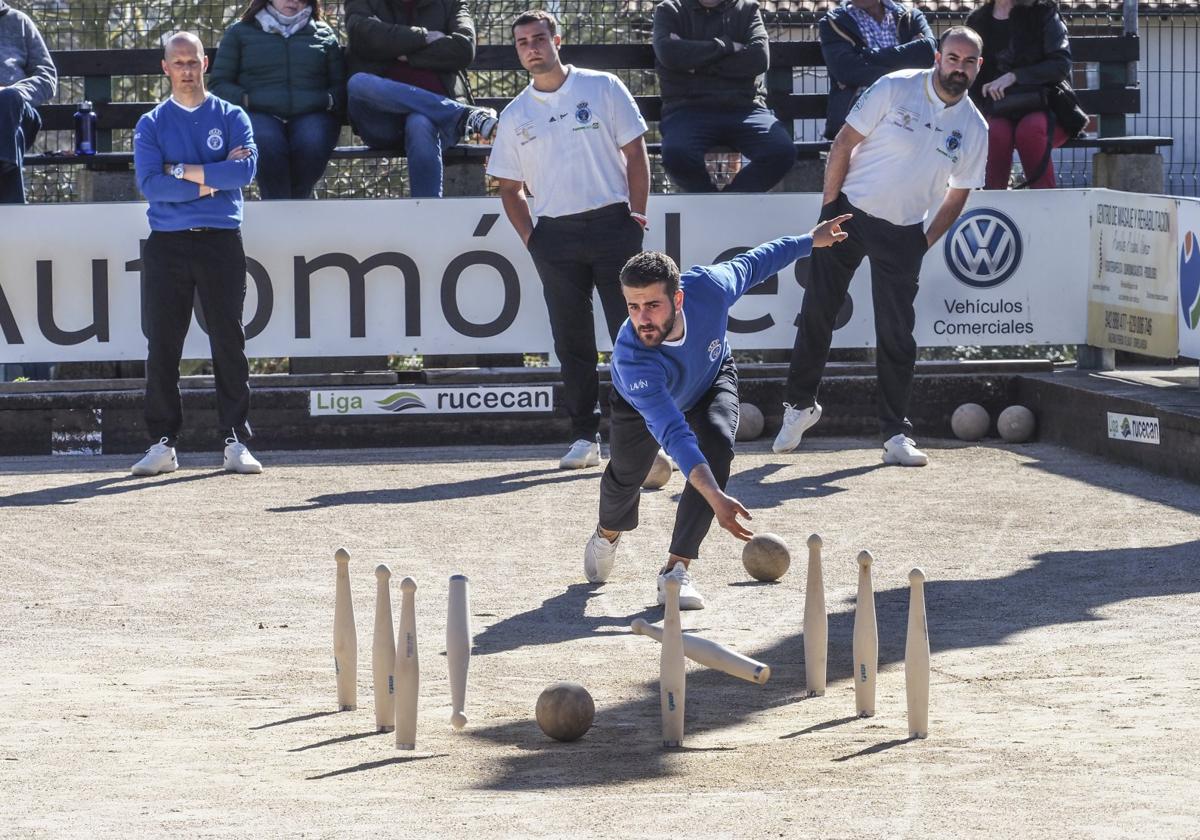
(167, 650)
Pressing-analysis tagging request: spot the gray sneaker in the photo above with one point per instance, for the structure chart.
(598, 557)
(481, 121)
(689, 597)
(796, 421)
(159, 458)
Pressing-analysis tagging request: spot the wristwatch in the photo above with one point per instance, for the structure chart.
(177, 170)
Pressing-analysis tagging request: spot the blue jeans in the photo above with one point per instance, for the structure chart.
(19, 125)
(293, 153)
(688, 132)
(389, 114)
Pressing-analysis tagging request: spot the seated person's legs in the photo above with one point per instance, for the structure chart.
(1000, 152)
(18, 127)
(274, 156)
(423, 146)
(378, 129)
(686, 135)
(312, 138)
(765, 142)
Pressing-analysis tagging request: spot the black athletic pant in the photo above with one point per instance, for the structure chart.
(713, 419)
(179, 265)
(895, 252)
(572, 255)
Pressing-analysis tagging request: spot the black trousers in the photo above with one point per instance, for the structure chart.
(19, 126)
(895, 252)
(180, 265)
(714, 420)
(574, 254)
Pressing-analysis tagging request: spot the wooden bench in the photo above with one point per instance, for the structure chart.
(1115, 98)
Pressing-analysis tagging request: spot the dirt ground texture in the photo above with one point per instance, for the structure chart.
(167, 650)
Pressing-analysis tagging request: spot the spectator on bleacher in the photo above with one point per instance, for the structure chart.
(282, 63)
(193, 154)
(1025, 50)
(862, 40)
(27, 79)
(710, 56)
(408, 83)
(575, 137)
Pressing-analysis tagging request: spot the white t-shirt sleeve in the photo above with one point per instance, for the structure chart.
(872, 106)
(969, 174)
(503, 161)
(625, 118)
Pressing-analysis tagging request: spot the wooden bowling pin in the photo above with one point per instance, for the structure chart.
(816, 623)
(458, 647)
(710, 654)
(408, 672)
(383, 653)
(672, 679)
(916, 658)
(345, 637)
(866, 640)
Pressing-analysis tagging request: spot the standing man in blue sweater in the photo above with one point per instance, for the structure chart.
(193, 154)
(675, 385)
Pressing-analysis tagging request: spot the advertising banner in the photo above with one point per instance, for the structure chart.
(379, 277)
(1189, 278)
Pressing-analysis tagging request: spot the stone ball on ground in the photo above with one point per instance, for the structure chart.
(766, 557)
(750, 422)
(660, 472)
(1016, 424)
(970, 421)
(565, 711)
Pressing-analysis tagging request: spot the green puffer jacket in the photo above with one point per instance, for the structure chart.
(380, 33)
(284, 77)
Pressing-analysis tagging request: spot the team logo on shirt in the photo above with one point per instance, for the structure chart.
(583, 114)
(640, 385)
(525, 133)
(904, 118)
(951, 145)
(714, 349)
(215, 140)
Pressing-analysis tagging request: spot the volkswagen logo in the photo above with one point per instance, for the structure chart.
(983, 248)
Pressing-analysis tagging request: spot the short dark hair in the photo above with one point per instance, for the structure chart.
(533, 16)
(650, 267)
(964, 32)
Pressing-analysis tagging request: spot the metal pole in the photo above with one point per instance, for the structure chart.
(1130, 20)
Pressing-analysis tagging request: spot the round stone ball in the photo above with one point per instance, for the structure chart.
(660, 472)
(565, 711)
(766, 557)
(970, 421)
(1016, 424)
(750, 422)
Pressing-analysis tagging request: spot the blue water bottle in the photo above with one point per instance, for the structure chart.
(85, 129)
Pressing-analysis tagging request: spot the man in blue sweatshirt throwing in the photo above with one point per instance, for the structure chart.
(193, 155)
(675, 385)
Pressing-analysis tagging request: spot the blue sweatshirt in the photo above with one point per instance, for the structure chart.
(172, 134)
(665, 381)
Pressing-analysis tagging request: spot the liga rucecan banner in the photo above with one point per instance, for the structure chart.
(1188, 257)
(375, 277)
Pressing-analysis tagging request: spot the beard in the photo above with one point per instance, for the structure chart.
(652, 335)
(954, 83)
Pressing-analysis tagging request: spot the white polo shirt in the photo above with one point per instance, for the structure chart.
(915, 147)
(566, 145)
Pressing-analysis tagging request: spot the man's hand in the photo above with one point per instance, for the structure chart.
(830, 232)
(206, 191)
(433, 35)
(238, 153)
(727, 510)
(995, 89)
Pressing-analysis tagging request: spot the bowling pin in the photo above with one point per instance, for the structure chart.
(383, 653)
(672, 681)
(710, 654)
(866, 640)
(408, 672)
(816, 623)
(916, 658)
(345, 637)
(458, 647)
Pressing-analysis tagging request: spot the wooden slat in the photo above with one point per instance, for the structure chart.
(1116, 48)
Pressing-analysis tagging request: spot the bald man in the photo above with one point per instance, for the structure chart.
(193, 155)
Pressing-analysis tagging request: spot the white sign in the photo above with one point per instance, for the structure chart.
(429, 400)
(448, 276)
(1189, 278)
(1133, 428)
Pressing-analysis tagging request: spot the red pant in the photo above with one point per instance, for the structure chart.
(1028, 136)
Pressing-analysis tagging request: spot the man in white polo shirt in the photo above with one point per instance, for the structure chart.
(913, 137)
(573, 137)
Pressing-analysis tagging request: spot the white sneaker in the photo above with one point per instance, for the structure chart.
(903, 451)
(796, 421)
(598, 557)
(583, 453)
(689, 597)
(238, 458)
(159, 458)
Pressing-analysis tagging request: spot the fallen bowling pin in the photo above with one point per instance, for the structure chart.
(816, 623)
(408, 672)
(710, 654)
(458, 647)
(345, 637)
(865, 646)
(672, 677)
(383, 653)
(916, 658)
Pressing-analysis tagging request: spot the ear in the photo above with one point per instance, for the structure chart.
(164, 67)
(679, 299)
